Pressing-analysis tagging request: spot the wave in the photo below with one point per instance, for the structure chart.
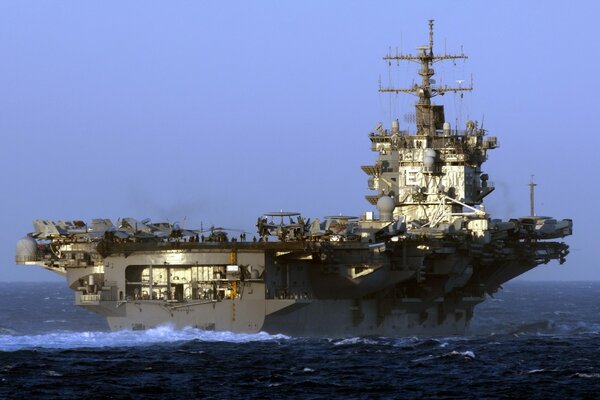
(407, 342)
(161, 334)
(586, 375)
(550, 327)
(355, 340)
(467, 355)
(560, 323)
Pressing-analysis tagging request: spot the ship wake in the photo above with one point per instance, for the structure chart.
(160, 335)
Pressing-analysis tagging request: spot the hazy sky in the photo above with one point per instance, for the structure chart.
(216, 112)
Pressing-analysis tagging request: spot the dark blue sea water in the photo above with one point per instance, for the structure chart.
(533, 340)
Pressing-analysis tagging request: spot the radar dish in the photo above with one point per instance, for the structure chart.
(341, 217)
(282, 214)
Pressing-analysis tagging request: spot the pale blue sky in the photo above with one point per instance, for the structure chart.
(219, 111)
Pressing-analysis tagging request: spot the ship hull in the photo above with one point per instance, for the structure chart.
(321, 318)
(406, 290)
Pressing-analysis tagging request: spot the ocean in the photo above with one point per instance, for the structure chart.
(532, 340)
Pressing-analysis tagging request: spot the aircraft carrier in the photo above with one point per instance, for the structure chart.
(416, 264)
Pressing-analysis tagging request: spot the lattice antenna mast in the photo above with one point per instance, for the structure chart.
(428, 116)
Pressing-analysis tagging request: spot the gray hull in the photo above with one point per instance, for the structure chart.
(327, 318)
(310, 296)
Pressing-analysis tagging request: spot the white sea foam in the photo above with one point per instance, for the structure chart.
(584, 375)
(465, 355)
(161, 334)
(354, 340)
(406, 341)
(536, 371)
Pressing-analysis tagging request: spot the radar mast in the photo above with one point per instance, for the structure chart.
(429, 116)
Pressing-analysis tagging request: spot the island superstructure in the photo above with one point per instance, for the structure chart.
(419, 264)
